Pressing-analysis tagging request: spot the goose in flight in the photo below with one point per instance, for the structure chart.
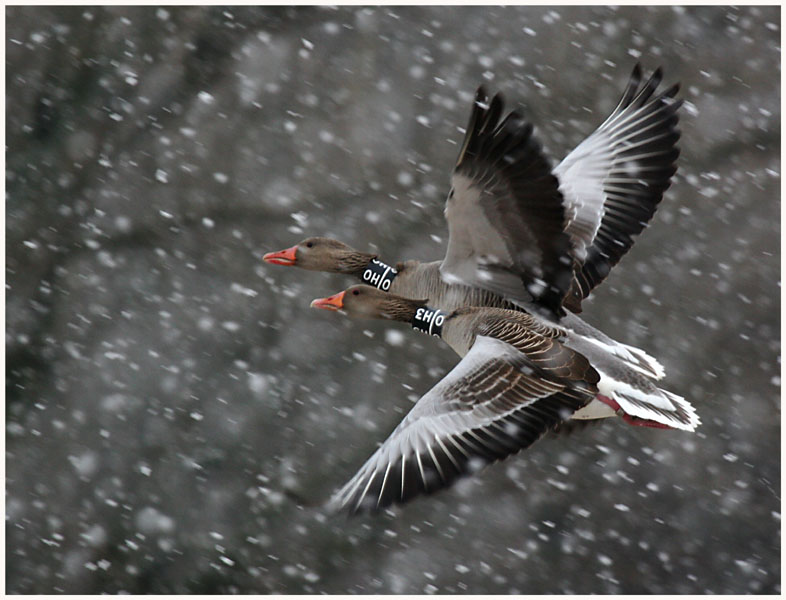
(518, 379)
(523, 235)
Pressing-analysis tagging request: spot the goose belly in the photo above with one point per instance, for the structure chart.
(594, 410)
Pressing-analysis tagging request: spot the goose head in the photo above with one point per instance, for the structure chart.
(321, 254)
(363, 301)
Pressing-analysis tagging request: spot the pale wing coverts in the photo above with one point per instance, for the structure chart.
(495, 402)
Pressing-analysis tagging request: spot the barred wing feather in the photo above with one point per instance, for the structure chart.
(494, 403)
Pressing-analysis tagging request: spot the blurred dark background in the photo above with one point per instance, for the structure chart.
(176, 414)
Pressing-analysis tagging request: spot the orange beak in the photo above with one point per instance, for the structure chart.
(286, 257)
(334, 302)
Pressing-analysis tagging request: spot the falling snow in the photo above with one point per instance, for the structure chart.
(176, 413)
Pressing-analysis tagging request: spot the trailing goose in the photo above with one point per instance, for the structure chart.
(518, 378)
(524, 236)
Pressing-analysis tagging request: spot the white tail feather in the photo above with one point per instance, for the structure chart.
(654, 404)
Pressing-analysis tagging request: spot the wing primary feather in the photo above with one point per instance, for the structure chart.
(448, 454)
(482, 443)
(630, 89)
(436, 464)
(458, 446)
(478, 450)
(403, 468)
(347, 492)
(365, 490)
(384, 483)
(420, 468)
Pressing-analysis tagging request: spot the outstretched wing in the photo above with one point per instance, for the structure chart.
(505, 215)
(495, 402)
(613, 181)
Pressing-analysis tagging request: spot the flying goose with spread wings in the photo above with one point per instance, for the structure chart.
(523, 235)
(518, 379)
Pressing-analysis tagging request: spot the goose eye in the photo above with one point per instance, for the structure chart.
(309, 244)
(355, 293)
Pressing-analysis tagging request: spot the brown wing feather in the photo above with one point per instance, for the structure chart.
(505, 213)
(504, 395)
(542, 346)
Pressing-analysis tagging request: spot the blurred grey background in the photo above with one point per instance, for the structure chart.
(176, 414)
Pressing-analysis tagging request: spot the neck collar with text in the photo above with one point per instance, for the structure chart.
(378, 274)
(429, 320)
